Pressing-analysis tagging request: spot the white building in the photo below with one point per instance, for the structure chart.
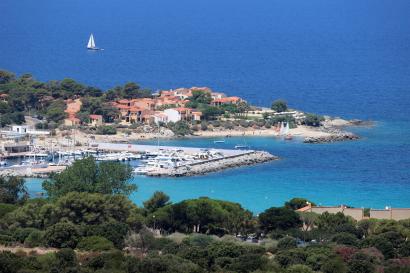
(173, 115)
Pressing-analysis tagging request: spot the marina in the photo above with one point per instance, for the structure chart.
(149, 160)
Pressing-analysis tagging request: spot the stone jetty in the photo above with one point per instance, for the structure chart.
(31, 172)
(214, 165)
(333, 137)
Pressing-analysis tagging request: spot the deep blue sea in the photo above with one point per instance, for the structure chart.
(348, 58)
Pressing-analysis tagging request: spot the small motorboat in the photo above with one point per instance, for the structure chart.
(239, 146)
(219, 141)
(288, 137)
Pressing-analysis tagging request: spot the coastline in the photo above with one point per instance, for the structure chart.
(330, 128)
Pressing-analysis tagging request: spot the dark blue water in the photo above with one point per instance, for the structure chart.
(345, 57)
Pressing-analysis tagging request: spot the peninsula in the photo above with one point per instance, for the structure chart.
(66, 120)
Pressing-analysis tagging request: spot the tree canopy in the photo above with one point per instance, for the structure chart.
(279, 106)
(87, 176)
(12, 190)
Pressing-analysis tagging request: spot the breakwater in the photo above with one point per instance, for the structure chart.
(333, 137)
(25, 171)
(214, 165)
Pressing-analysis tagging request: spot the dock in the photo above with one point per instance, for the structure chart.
(137, 148)
(168, 161)
(229, 158)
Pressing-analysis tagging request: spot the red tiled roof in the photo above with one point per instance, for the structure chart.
(228, 99)
(95, 117)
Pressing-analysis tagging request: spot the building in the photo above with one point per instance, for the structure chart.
(144, 103)
(390, 213)
(16, 147)
(355, 213)
(182, 113)
(358, 213)
(160, 117)
(20, 129)
(96, 120)
(73, 107)
(227, 100)
(72, 121)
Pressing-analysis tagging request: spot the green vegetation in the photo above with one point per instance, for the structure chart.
(106, 130)
(12, 191)
(87, 209)
(279, 106)
(313, 120)
(25, 95)
(179, 128)
(87, 176)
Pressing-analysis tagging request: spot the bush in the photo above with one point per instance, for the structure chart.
(287, 243)
(228, 125)
(244, 123)
(62, 235)
(95, 243)
(299, 268)
(6, 239)
(279, 106)
(35, 238)
(6, 208)
(106, 130)
(216, 123)
(20, 234)
(313, 120)
(345, 238)
(204, 126)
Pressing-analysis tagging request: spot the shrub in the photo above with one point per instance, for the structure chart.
(35, 238)
(106, 130)
(6, 239)
(279, 106)
(6, 208)
(216, 123)
(313, 120)
(286, 243)
(95, 243)
(244, 123)
(345, 238)
(299, 268)
(204, 126)
(228, 125)
(20, 234)
(62, 235)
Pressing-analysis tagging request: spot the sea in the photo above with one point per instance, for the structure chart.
(346, 58)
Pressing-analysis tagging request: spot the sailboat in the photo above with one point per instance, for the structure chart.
(91, 44)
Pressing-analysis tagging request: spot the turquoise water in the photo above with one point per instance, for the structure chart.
(348, 58)
(354, 173)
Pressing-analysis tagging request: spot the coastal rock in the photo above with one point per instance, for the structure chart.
(341, 136)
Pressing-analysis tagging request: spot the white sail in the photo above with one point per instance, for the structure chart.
(284, 128)
(91, 43)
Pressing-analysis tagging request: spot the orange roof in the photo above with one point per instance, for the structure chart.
(120, 106)
(306, 208)
(228, 99)
(135, 109)
(95, 117)
(182, 109)
(123, 101)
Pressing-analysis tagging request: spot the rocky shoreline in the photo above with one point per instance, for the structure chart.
(205, 167)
